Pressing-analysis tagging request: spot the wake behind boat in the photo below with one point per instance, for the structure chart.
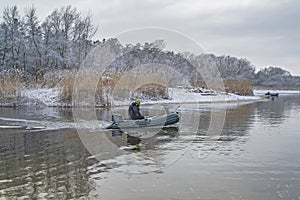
(163, 120)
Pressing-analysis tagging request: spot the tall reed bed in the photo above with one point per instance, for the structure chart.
(241, 87)
(10, 84)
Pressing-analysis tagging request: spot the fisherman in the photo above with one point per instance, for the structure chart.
(134, 110)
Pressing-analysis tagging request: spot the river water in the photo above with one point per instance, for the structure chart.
(217, 151)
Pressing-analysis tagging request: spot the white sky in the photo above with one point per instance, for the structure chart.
(266, 32)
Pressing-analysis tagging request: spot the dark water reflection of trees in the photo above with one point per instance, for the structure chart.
(52, 163)
(277, 109)
(237, 121)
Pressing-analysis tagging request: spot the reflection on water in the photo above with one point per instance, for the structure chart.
(256, 156)
(49, 164)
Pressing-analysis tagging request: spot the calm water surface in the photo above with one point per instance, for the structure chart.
(45, 155)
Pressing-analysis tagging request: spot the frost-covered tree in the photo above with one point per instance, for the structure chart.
(34, 45)
(57, 36)
(61, 41)
(67, 37)
(13, 46)
(235, 69)
(229, 68)
(81, 39)
(3, 38)
(273, 76)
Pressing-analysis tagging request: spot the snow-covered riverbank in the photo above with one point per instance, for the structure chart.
(50, 97)
(34, 97)
(179, 95)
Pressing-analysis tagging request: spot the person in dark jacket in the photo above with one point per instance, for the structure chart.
(134, 110)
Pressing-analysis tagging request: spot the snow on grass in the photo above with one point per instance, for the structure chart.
(46, 96)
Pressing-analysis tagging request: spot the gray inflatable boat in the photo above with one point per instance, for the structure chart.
(163, 120)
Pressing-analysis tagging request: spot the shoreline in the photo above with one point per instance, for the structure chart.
(49, 98)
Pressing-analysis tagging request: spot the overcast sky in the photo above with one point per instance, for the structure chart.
(266, 32)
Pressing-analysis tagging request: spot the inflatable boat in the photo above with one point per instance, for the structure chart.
(268, 94)
(163, 120)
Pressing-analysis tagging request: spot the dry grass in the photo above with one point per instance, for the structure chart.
(51, 78)
(241, 87)
(138, 85)
(151, 91)
(66, 88)
(87, 86)
(199, 84)
(10, 84)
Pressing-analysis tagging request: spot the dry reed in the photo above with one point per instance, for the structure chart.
(10, 84)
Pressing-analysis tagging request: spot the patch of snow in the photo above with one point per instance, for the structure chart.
(181, 95)
(46, 96)
(10, 127)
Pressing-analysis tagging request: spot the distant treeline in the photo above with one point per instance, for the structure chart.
(232, 68)
(62, 41)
